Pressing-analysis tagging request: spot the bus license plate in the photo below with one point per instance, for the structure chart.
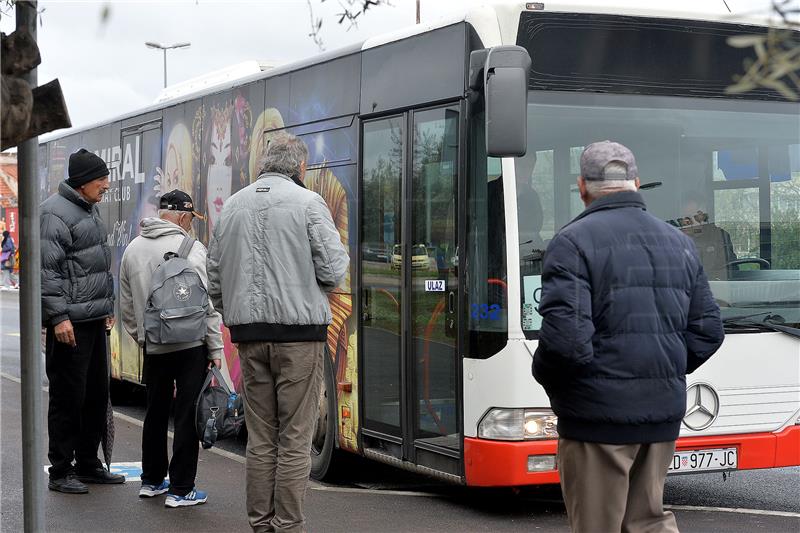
(704, 460)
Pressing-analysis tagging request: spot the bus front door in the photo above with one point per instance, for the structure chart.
(409, 325)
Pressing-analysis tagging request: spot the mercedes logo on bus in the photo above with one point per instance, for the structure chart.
(702, 406)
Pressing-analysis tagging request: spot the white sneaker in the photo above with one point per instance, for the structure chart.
(148, 490)
(196, 497)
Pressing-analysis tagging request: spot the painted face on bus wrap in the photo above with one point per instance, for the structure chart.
(218, 186)
(177, 172)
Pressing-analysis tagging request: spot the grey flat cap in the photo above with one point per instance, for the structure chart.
(597, 155)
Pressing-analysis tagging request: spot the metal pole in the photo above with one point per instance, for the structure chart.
(30, 311)
(165, 67)
(418, 11)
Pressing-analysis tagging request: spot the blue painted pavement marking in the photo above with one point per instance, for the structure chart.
(131, 470)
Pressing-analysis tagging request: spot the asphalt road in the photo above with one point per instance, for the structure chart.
(374, 497)
(9, 332)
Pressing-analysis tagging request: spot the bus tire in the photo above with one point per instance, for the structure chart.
(324, 453)
(124, 392)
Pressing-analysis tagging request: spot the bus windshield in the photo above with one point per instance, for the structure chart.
(726, 173)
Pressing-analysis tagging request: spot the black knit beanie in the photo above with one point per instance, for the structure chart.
(84, 167)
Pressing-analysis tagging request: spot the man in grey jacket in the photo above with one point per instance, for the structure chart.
(183, 364)
(274, 254)
(77, 310)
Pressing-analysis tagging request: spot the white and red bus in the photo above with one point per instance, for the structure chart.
(412, 139)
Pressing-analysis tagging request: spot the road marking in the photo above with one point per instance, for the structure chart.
(139, 423)
(13, 334)
(239, 459)
(15, 379)
(731, 510)
(355, 490)
(132, 470)
(170, 434)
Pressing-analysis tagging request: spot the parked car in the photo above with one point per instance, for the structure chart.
(419, 257)
(376, 252)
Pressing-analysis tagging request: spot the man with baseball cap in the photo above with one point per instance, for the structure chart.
(177, 200)
(181, 363)
(77, 309)
(627, 313)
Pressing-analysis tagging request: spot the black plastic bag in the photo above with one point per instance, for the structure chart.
(219, 413)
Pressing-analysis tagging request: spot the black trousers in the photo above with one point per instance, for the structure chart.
(78, 397)
(186, 369)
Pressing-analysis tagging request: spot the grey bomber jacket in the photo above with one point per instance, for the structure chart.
(274, 253)
(76, 278)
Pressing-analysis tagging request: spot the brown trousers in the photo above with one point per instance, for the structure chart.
(282, 387)
(613, 488)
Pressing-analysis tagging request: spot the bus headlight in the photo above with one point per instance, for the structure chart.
(518, 424)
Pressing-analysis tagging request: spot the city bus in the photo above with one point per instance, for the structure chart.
(460, 141)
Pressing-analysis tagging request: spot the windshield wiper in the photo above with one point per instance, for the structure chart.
(745, 324)
(778, 318)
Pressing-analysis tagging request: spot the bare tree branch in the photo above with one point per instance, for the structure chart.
(351, 10)
(777, 63)
(316, 26)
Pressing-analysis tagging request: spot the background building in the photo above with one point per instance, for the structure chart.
(9, 213)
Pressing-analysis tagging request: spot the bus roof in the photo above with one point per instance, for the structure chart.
(506, 13)
(495, 22)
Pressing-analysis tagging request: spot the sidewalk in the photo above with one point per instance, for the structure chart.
(118, 507)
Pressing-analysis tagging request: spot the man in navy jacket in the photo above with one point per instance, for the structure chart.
(627, 313)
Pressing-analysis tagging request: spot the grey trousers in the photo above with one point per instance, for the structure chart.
(611, 488)
(282, 387)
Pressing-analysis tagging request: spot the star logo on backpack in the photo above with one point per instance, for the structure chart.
(182, 292)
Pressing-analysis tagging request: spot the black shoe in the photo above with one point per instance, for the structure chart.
(100, 475)
(68, 484)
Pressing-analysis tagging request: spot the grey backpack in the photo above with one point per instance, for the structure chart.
(178, 302)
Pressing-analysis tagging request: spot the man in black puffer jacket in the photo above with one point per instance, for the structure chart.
(627, 313)
(77, 309)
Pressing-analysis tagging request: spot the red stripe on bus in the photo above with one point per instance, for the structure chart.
(489, 463)
(756, 450)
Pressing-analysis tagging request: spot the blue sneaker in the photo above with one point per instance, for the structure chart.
(148, 490)
(196, 497)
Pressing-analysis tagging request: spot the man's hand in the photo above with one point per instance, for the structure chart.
(110, 321)
(64, 333)
(215, 362)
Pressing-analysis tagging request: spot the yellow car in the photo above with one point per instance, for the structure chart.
(419, 257)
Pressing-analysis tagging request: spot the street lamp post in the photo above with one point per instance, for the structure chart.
(158, 46)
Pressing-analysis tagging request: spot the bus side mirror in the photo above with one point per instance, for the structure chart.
(504, 78)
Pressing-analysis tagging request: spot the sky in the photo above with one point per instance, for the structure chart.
(105, 70)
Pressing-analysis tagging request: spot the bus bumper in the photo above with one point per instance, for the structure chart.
(492, 463)
(489, 463)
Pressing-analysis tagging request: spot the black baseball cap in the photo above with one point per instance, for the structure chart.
(177, 200)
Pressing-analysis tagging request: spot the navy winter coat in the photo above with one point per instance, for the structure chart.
(76, 261)
(627, 313)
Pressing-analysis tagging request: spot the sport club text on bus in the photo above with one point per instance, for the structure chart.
(448, 155)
